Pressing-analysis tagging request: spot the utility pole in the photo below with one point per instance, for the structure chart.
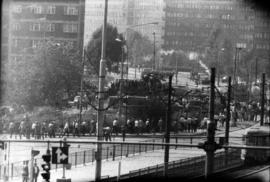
(228, 116)
(228, 113)
(100, 113)
(176, 74)
(256, 70)
(121, 88)
(236, 59)
(218, 65)
(210, 146)
(167, 129)
(234, 68)
(81, 88)
(262, 99)
(154, 52)
(209, 165)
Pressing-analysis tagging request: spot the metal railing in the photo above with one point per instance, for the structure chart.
(189, 167)
(112, 150)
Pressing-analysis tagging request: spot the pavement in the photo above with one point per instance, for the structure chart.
(111, 168)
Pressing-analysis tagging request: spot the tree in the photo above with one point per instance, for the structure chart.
(140, 48)
(113, 49)
(52, 75)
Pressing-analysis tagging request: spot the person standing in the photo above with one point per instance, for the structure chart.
(160, 125)
(136, 126)
(147, 125)
(11, 129)
(35, 172)
(115, 127)
(25, 172)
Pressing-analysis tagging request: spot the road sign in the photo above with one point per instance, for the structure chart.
(59, 155)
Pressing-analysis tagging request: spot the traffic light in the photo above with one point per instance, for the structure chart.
(46, 167)
(2, 145)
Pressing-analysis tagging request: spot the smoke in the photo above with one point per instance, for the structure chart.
(205, 67)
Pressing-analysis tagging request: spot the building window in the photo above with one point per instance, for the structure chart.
(35, 27)
(17, 9)
(36, 10)
(71, 10)
(15, 42)
(51, 27)
(35, 44)
(70, 28)
(51, 9)
(16, 58)
(16, 26)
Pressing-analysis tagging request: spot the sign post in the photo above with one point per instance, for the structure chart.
(60, 156)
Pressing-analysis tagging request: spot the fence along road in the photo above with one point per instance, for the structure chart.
(111, 152)
(192, 160)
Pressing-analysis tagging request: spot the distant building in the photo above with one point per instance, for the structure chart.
(147, 11)
(190, 23)
(94, 16)
(32, 22)
(125, 15)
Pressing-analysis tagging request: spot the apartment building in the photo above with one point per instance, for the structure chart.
(190, 23)
(32, 22)
(142, 16)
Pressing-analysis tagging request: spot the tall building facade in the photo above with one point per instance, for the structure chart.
(32, 22)
(189, 24)
(142, 16)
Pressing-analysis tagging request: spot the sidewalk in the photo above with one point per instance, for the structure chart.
(110, 168)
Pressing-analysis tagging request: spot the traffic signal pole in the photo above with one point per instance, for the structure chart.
(210, 146)
(100, 113)
(228, 116)
(167, 129)
(262, 99)
(209, 165)
(228, 113)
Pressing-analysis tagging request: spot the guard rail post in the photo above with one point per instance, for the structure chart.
(84, 157)
(121, 148)
(75, 159)
(113, 152)
(107, 157)
(127, 150)
(93, 155)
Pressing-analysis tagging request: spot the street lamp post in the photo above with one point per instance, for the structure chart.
(121, 85)
(256, 70)
(218, 66)
(268, 98)
(81, 86)
(238, 48)
(100, 113)
(133, 26)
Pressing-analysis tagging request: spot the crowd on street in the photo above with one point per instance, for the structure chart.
(185, 123)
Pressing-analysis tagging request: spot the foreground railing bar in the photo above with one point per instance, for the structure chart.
(137, 143)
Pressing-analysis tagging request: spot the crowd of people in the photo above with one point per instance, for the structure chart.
(240, 112)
